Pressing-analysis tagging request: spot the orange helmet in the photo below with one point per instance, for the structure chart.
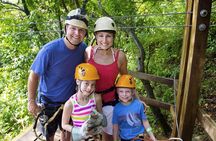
(86, 71)
(126, 81)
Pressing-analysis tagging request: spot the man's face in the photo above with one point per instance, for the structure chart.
(75, 34)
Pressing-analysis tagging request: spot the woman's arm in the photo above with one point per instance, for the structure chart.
(66, 116)
(87, 53)
(98, 100)
(122, 63)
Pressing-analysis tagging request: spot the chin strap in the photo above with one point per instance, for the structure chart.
(70, 42)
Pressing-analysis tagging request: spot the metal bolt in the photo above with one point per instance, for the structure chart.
(203, 13)
(202, 27)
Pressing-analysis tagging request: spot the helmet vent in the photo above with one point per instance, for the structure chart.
(113, 24)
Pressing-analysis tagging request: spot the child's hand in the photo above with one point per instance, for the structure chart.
(153, 138)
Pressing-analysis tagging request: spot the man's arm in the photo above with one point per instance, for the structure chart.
(32, 90)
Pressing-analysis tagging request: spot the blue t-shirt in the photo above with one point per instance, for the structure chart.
(55, 64)
(129, 119)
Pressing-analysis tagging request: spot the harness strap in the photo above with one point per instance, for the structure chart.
(54, 115)
(49, 102)
(34, 128)
(113, 103)
(141, 137)
(106, 91)
(46, 123)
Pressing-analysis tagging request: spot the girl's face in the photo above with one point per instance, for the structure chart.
(87, 87)
(104, 39)
(125, 95)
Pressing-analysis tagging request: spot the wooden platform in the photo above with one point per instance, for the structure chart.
(29, 135)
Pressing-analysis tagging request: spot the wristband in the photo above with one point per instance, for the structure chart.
(149, 129)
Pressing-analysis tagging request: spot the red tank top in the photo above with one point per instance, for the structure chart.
(108, 75)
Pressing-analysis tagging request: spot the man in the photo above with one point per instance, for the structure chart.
(52, 73)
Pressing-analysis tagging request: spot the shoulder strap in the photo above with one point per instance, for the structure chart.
(91, 52)
(117, 55)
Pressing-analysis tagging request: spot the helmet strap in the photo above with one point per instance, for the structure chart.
(79, 89)
(70, 42)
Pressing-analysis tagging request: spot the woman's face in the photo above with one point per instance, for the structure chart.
(104, 39)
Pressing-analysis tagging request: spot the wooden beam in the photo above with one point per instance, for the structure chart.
(208, 124)
(183, 65)
(155, 103)
(163, 80)
(198, 43)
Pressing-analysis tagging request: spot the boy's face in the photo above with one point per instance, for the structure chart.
(125, 95)
(87, 87)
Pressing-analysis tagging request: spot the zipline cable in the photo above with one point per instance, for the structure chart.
(121, 27)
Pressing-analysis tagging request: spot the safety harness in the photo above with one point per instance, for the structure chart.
(114, 102)
(43, 118)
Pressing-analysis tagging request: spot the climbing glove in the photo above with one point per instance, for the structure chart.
(76, 133)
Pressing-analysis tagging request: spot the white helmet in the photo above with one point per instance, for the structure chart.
(76, 18)
(105, 24)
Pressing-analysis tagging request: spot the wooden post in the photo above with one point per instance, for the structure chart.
(183, 65)
(195, 63)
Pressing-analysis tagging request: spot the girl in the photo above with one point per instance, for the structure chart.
(81, 105)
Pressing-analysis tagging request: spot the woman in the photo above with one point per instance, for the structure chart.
(109, 62)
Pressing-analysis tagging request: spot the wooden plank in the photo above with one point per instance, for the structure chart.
(29, 135)
(183, 65)
(208, 124)
(155, 103)
(198, 43)
(141, 75)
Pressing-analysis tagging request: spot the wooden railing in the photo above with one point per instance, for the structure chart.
(206, 121)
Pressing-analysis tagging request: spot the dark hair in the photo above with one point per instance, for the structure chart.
(110, 31)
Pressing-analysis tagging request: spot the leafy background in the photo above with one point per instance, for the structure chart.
(26, 25)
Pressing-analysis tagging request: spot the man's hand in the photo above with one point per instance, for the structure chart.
(33, 108)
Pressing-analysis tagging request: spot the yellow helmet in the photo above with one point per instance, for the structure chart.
(86, 71)
(76, 18)
(126, 81)
(105, 24)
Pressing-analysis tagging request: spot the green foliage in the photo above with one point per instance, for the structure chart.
(23, 35)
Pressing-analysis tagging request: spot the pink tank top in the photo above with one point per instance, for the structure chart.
(82, 113)
(108, 75)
